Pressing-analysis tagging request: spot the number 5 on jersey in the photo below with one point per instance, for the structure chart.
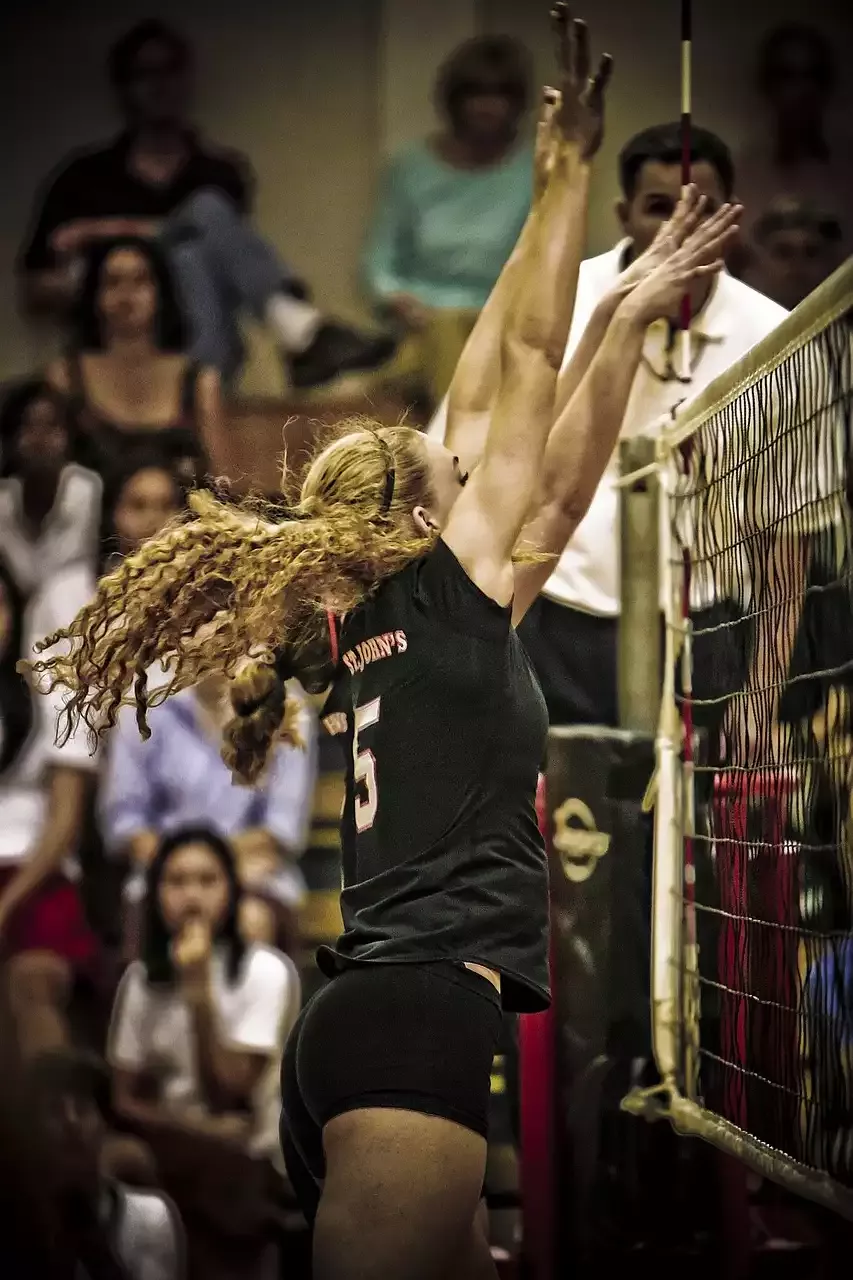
(365, 768)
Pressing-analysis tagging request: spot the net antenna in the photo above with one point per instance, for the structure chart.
(686, 149)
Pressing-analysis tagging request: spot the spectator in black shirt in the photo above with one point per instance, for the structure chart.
(158, 178)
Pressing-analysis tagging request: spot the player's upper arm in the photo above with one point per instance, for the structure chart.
(488, 516)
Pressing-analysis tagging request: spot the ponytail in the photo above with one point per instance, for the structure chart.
(244, 591)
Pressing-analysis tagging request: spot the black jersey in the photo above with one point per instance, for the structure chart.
(444, 727)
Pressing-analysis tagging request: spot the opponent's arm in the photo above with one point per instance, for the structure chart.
(488, 516)
(585, 434)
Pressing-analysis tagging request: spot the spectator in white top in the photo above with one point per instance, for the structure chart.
(200, 1011)
(44, 790)
(49, 506)
(197, 1032)
(571, 631)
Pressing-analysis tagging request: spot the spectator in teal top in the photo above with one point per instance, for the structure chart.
(450, 210)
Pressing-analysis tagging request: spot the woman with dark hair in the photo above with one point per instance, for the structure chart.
(48, 504)
(450, 211)
(128, 377)
(198, 1026)
(200, 1009)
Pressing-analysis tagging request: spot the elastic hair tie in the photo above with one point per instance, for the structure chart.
(390, 476)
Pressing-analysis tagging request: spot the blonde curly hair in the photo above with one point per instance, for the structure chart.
(244, 591)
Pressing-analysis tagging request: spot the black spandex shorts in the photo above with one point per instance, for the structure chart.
(420, 1037)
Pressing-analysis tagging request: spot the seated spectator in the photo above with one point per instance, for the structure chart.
(114, 1231)
(177, 778)
(793, 250)
(197, 1033)
(44, 935)
(451, 210)
(128, 379)
(159, 178)
(803, 159)
(49, 506)
(138, 501)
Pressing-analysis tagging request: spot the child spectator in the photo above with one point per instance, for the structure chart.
(44, 935)
(49, 506)
(128, 378)
(115, 1232)
(451, 210)
(177, 778)
(160, 179)
(197, 1033)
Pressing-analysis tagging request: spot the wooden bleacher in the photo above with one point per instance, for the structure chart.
(265, 427)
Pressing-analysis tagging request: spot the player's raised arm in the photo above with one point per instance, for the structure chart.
(487, 518)
(476, 379)
(584, 436)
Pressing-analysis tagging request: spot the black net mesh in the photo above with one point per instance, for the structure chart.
(761, 523)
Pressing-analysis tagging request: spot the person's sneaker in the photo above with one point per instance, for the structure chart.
(339, 349)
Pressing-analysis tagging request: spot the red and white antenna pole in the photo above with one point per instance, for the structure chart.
(686, 147)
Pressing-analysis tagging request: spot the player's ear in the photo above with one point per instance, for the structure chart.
(424, 523)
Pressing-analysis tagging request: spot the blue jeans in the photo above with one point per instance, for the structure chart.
(221, 266)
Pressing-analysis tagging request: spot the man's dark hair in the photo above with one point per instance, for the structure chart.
(123, 55)
(499, 61)
(662, 145)
(795, 33)
(156, 939)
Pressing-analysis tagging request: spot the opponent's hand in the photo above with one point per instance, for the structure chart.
(701, 254)
(191, 952)
(580, 117)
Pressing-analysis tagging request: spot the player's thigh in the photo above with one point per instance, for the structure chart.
(400, 1196)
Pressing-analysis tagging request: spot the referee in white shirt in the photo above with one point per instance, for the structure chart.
(570, 633)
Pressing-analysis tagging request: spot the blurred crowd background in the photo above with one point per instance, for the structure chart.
(213, 225)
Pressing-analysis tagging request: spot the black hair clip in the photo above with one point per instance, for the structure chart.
(283, 664)
(388, 492)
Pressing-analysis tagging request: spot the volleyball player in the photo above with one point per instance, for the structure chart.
(400, 584)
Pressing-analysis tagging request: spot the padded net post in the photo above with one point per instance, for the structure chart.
(639, 624)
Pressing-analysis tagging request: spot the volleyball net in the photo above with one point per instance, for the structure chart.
(752, 953)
